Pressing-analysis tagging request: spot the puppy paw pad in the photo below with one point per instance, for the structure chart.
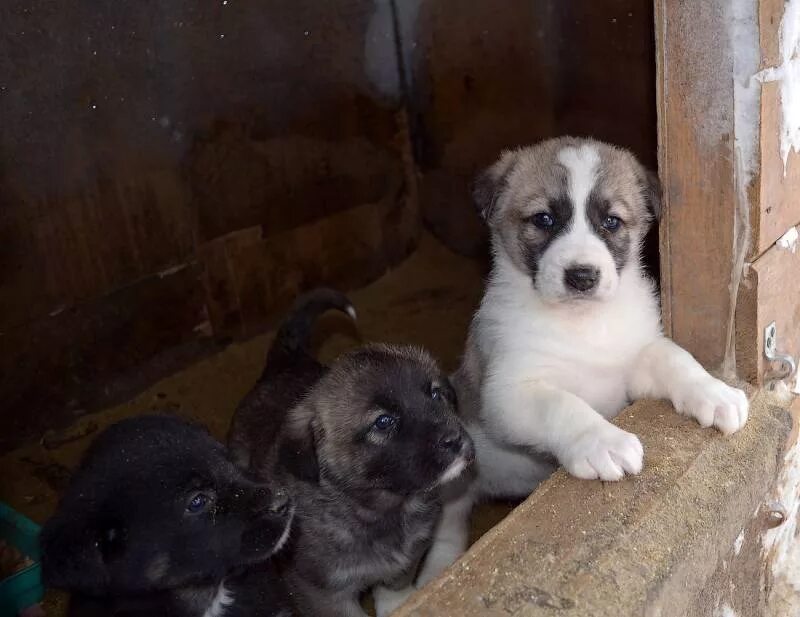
(714, 403)
(608, 454)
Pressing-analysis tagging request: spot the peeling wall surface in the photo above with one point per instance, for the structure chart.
(743, 32)
(781, 545)
(788, 74)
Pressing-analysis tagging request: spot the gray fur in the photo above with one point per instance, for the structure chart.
(366, 502)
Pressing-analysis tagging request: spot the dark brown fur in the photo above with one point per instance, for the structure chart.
(366, 498)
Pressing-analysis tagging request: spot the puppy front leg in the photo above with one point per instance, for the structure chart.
(533, 414)
(312, 600)
(666, 371)
(390, 596)
(451, 537)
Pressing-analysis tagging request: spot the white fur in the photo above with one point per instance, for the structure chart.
(558, 368)
(286, 532)
(388, 600)
(581, 164)
(222, 600)
(579, 245)
(453, 470)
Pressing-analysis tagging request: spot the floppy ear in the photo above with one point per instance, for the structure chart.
(651, 190)
(297, 453)
(490, 184)
(72, 557)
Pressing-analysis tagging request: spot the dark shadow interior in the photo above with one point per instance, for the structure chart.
(172, 174)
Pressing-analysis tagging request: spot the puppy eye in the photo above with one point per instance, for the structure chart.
(384, 422)
(436, 392)
(198, 503)
(542, 220)
(612, 223)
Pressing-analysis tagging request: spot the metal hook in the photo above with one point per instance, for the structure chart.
(788, 366)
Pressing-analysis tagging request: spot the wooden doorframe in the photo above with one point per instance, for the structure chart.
(697, 168)
(727, 195)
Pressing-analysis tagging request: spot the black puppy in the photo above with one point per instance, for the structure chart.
(159, 521)
(362, 447)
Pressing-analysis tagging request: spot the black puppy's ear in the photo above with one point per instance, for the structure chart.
(651, 190)
(490, 184)
(72, 557)
(298, 454)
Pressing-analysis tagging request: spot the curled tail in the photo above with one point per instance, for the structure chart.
(294, 333)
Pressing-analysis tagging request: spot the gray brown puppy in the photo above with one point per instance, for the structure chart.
(362, 447)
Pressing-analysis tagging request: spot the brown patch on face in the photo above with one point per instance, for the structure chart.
(529, 181)
(355, 450)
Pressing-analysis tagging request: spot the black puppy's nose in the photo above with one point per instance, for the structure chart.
(582, 278)
(280, 502)
(451, 442)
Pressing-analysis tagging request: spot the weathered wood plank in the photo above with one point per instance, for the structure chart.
(697, 169)
(777, 208)
(770, 292)
(98, 353)
(662, 543)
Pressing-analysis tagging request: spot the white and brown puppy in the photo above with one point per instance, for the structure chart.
(568, 331)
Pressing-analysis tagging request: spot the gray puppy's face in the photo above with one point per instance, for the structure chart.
(382, 418)
(568, 213)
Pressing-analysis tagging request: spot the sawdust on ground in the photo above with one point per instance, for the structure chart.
(427, 300)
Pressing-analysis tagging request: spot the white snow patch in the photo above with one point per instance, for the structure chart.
(788, 74)
(788, 241)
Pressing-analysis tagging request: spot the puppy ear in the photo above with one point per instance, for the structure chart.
(651, 190)
(298, 454)
(490, 184)
(72, 558)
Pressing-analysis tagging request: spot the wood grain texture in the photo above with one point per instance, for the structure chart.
(769, 293)
(695, 105)
(777, 207)
(235, 140)
(494, 79)
(81, 358)
(660, 543)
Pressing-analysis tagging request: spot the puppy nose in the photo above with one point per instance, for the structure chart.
(280, 502)
(582, 278)
(451, 442)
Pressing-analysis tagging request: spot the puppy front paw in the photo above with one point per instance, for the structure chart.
(714, 403)
(605, 453)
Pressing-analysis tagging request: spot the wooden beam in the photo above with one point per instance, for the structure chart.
(696, 160)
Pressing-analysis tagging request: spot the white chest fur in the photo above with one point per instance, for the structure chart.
(586, 349)
(219, 603)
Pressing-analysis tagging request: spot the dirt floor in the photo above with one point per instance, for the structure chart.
(427, 300)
